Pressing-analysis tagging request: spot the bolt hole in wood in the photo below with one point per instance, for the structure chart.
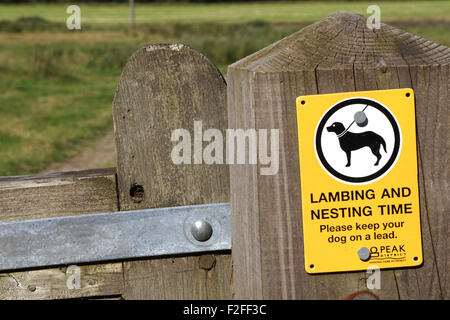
(137, 193)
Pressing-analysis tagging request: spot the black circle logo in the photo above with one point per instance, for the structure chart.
(357, 141)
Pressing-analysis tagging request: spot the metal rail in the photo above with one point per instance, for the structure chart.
(114, 236)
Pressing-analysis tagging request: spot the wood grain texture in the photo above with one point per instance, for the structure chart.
(54, 195)
(57, 194)
(336, 54)
(163, 88)
(95, 280)
(431, 85)
(191, 277)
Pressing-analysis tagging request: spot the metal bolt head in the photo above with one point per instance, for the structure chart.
(361, 119)
(364, 254)
(201, 230)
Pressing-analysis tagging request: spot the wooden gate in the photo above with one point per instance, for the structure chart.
(162, 88)
(166, 87)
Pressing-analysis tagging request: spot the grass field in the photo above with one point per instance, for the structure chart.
(56, 86)
(230, 13)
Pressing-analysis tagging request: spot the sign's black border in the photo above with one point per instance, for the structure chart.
(388, 164)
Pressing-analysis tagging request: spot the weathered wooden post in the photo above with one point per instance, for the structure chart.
(336, 54)
(164, 88)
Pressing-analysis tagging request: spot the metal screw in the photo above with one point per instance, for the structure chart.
(364, 254)
(32, 288)
(361, 119)
(201, 230)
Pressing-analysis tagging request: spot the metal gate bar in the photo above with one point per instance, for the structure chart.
(114, 236)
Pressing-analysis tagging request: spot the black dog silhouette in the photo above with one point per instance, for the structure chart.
(350, 141)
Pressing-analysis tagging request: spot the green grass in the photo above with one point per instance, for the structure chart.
(57, 86)
(228, 13)
(48, 113)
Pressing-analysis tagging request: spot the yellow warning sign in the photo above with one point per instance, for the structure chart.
(359, 180)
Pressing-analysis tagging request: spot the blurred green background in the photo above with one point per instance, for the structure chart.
(57, 85)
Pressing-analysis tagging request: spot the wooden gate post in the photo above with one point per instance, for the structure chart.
(164, 88)
(336, 54)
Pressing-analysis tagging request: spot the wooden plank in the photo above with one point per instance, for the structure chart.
(423, 282)
(163, 88)
(244, 244)
(406, 283)
(431, 86)
(336, 54)
(191, 277)
(95, 280)
(57, 194)
(53, 195)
